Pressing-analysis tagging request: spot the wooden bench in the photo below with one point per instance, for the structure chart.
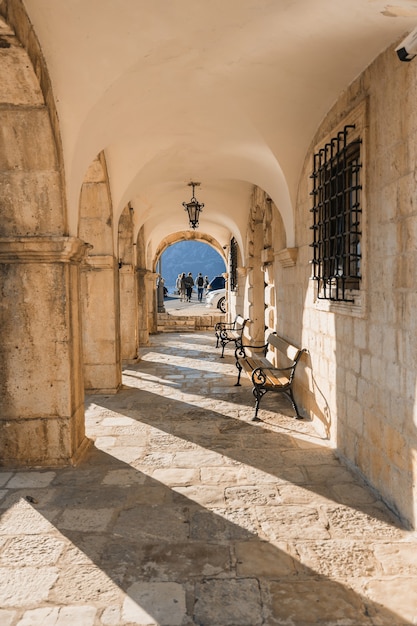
(255, 361)
(227, 332)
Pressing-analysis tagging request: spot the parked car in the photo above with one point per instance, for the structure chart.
(217, 299)
(218, 282)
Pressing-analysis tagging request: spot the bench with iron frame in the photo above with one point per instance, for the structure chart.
(265, 376)
(227, 332)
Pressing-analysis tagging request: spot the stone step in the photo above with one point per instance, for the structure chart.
(178, 323)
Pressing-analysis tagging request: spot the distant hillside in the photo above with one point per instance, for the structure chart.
(190, 256)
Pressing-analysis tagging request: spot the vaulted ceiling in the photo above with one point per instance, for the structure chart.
(224, 92)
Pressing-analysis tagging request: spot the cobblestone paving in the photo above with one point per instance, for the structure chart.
(187, 513)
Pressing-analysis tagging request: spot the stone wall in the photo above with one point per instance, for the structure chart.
(362, 385)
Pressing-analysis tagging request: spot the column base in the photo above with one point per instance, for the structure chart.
(30, 445)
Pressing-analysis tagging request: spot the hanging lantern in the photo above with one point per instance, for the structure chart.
(193, 208)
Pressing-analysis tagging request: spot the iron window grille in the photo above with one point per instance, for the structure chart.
(337, 217)
(233, 264)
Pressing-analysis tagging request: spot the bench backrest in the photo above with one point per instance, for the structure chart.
(291, 352)
(240, 322)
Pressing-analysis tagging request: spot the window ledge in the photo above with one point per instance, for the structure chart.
(354, 309)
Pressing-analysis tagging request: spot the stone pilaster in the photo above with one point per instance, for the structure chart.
(41, 378)
(142, 324)
(128, 313)
(152, 301)
(101, 326)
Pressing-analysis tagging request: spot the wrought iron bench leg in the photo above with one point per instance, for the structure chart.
(294, 405)
(239, 368)
(258, 393)
(223, 347)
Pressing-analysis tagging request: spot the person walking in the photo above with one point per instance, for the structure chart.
(183, 288)
(206, 284)
(189, 284)
(200, 286)
(178, 285)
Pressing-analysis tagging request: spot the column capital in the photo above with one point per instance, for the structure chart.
(151, 276)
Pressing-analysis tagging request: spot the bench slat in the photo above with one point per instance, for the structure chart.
(283, 346)
(272, 379)
(250, 363)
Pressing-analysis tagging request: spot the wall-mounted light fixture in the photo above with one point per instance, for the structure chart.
(193, 208)
(407, 49)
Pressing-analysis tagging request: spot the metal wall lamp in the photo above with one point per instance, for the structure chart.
(193, 208)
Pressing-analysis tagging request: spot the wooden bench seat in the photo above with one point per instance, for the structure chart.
(230, 332)
(253, 360)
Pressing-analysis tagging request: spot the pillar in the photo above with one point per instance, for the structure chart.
(101, 328)
(41, 382)
(128, 313)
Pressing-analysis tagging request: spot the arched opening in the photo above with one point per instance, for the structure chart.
(190, 256)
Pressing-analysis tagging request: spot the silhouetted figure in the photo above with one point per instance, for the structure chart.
(200, 286)
(189, 284)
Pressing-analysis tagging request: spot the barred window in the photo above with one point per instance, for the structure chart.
(337, 217)
(233, 264)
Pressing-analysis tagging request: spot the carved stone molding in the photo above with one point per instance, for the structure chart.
(42, 250)
(101, 261)
(287, 256)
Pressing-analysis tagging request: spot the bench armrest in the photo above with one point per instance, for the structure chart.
(259, 377)
(241, 352)
(224, 326)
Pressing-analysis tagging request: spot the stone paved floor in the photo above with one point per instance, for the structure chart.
(187, 513)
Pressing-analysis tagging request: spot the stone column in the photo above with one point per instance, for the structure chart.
(267, 258)
(41, 376)
(160, 295)
(257, 298)
(240, 295)
(152, 302)
(254, 265)
(128, 313)
(142, 324)
(101, 328)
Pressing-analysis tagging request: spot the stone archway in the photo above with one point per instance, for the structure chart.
(41, 384)
(186, 235)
